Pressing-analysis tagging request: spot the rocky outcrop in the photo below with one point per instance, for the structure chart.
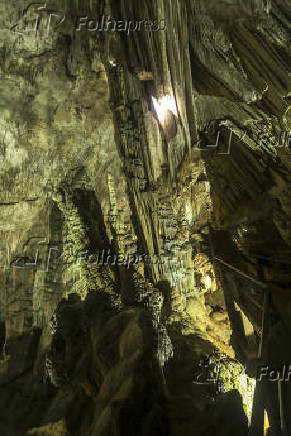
(144, 210)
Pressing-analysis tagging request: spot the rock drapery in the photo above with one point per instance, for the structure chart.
(90, 165)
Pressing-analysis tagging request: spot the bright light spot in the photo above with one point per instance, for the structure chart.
(208, 281)
(188, 214)
(266, 423)
(246, 388)
(233, 375)
(163, 105)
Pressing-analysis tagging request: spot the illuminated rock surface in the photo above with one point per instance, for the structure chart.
(166, 156)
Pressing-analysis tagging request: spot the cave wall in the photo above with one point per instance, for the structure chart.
(88, 166)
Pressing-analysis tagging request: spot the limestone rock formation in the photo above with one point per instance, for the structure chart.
(144, 216)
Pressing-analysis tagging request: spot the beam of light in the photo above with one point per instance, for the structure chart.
(163, 105)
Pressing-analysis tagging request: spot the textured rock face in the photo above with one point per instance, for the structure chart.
(107, 380)
(135, 234)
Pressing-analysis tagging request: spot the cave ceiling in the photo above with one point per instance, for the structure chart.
(145, 210)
